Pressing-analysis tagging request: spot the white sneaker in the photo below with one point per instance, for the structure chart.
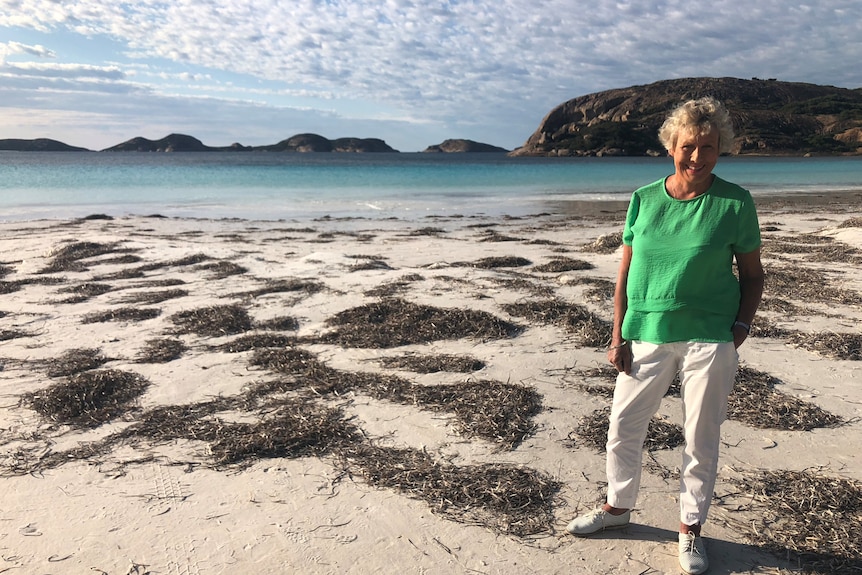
(598, 520)
(692, 554)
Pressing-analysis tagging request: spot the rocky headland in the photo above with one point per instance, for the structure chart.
(770, 118)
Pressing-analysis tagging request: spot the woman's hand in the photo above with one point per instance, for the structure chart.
(620, 356)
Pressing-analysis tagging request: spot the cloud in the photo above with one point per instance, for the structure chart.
(450, 63)
(76, 71)
(19, 48)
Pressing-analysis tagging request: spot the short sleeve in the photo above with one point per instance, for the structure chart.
(748, 233)
(631, 217)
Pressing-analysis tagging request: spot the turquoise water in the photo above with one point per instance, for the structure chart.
(285, 186)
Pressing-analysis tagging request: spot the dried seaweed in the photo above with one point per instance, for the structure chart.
(808, 285)
(433, 363)
(558, 265)
(590, 329)
(547, 311)
(296, 428)
(392, 288)
(593, 432)
(755, 402)
(605, 244)
(213, 321)
(427, 231)
(815, 517)
(847, 346)
(765, 327)
(140, 271)
(779, 305)
(153, 297)
(161, 350)
(9, 334)
(497, 262)
(511, 500)
(169, 282)
(121, 314)
(83, 292)
(256, 341)
(68, 258)
(283, 286)
(851, 223)
(495, 236)
(222, 269)
(395, 322)
(75, 361)
(281, 323)
(370, 264)
(123, 259)
(90, 398)
(10, 287)
(822, 249)
(499, 412)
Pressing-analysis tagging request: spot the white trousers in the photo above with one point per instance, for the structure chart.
(707, 373)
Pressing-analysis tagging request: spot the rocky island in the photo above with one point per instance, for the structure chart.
(297, 143)
(37, 145)
(463, 146)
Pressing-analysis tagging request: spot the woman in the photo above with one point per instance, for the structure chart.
(679, 308)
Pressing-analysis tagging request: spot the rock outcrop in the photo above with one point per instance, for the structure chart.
(463, 146)
(770, 117)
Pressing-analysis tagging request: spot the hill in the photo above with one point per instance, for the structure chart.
(770, 117)
(315, 143)
(463, 146)
(298, 143)
(170, 143)
(37, 145)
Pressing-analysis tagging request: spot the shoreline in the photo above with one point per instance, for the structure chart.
(225, 489)
(795, 202)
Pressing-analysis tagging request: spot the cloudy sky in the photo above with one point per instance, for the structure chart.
(94, 73)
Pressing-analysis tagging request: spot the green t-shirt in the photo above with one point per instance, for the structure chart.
(681, 285)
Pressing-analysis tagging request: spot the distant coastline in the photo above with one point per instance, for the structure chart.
(300, 143)
(771, 118)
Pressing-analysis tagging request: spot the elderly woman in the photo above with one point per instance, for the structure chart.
(679, 308)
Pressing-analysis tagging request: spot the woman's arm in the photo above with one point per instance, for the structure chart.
(620, 354)
(751, 279)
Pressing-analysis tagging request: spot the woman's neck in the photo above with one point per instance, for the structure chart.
(680, 189)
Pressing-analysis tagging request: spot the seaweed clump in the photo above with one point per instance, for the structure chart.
(213, 321)
(395, 322)
(809, 515)
(433, 363)
(90, 398)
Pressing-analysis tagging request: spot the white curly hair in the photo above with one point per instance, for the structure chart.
(698, 117)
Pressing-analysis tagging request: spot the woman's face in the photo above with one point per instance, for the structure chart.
(694, 156)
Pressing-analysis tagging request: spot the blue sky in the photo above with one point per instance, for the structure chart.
(94, 73)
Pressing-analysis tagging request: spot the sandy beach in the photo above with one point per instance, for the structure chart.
(201, 397)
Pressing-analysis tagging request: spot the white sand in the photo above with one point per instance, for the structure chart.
(165, 510)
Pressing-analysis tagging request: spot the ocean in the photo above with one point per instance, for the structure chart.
(272, 186)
